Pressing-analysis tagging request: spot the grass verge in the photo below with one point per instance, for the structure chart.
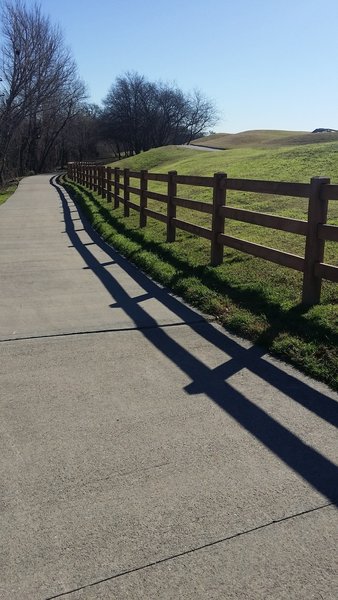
(7, 191)
(260, 311)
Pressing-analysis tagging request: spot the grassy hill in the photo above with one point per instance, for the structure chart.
(284, 163)
(265, 138)
(297, 163)
(250, 296)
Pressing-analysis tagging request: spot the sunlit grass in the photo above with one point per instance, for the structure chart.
(250, 296)
(6, 192)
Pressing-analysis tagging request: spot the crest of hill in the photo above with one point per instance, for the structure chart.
(264, 138)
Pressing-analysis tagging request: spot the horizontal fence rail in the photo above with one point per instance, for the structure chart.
(110, 182)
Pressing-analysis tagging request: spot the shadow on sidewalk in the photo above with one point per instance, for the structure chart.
(313, 467)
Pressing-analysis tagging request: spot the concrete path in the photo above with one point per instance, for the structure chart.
(200, 147)
(144, 452)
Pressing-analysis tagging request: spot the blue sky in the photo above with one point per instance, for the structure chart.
(267, 64)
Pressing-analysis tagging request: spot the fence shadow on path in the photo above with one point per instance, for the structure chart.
(313, 467)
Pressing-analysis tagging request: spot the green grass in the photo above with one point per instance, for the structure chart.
(250, 296)
(264, 138)
(287, 163)
(6, 192)
(284, 164)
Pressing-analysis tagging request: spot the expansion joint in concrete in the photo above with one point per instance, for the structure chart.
(190, 551)
(97, 331)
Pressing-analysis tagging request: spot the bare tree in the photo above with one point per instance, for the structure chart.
(39, 77)
(202, 114)
(124, 115)
(80, 140)
(139, 114)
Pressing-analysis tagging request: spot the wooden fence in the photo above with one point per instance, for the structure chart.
(109, 182)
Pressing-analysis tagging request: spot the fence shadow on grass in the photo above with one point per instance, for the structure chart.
(253, 299)
(312, 466)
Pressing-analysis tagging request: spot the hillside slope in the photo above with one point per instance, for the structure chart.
(250, 296)
(264, 138)
(297, 163)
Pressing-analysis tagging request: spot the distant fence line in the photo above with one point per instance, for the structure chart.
(109, 182)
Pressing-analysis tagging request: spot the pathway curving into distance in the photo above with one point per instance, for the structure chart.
(145, 452)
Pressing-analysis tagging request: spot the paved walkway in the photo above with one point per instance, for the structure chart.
(145, 453)
(200, 147)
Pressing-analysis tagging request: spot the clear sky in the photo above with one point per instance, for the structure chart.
(267, 64)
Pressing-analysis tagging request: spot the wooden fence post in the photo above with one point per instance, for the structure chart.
(126, 194)
(95, 178)
(103, 182)
(314, 247)
(219, 197)
(99, 181)
(116, 187)
(171, 207)
(108, 184)
(91, 177)
(143, 197)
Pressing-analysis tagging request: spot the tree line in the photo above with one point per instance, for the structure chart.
(46, 121)
(139, 114)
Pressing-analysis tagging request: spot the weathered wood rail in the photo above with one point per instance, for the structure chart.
(110, 182)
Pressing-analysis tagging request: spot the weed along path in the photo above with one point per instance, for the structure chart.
(146, 453)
